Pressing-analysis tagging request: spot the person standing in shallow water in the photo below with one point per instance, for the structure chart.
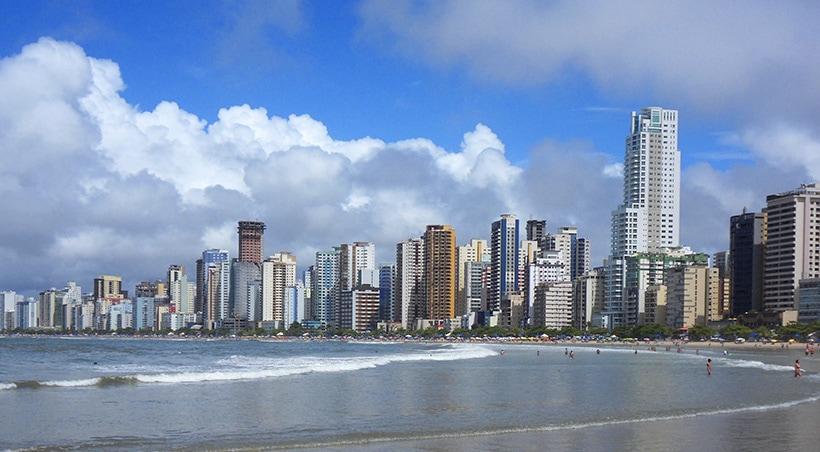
(709, 366)
(797, 371)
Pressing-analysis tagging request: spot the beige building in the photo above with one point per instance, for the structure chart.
(793, 238)
(691, 290)
(656, 304)
(278, 272)
(476, 251)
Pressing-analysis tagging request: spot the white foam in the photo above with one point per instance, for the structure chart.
(4, 386)
(753, 364)
(71, 383)
(238, 367)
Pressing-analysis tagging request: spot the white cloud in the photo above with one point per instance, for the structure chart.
(118, 189)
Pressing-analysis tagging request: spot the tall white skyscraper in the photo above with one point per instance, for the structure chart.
(648, 220)
(649, 217)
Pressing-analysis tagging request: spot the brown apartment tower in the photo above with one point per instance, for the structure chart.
(251, 244)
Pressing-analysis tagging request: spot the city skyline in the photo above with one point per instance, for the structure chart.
(130, 144)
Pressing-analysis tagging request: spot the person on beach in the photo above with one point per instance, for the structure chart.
(571, 355)
(709, 366)
(797, 371)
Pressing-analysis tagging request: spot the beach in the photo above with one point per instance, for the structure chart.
(193, 394)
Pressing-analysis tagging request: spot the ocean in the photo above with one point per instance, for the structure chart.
(146, 394)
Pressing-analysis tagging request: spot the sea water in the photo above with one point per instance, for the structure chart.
(91, 393)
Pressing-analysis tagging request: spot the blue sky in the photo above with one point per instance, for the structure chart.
(152, 127)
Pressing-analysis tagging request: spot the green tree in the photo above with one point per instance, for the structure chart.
(735, 331)
(295, 329)
(699, 331)
(622, 331)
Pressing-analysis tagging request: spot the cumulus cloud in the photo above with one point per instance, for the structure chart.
(95, 185)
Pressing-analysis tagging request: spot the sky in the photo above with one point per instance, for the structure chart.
(134, 135)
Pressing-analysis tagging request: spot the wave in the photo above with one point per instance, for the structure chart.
(749, 364)
(239, 367)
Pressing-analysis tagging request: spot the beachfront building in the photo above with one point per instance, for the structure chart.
(359, 308)
(552, 304)
(588, 299)
(808, 301)
(476, 251)
(650, 269)
(504, 257)
(575, 250)
(439, 278)
(278, 273)
(251, 245)
(25, 313)
(549, 291)
(793, 219)
(410, 290)
(691, 289)
(655, 297)
(49, 315)
(720, 310)
(181, 292)
(536, 229)
(648, 219)
(213, 286)
(747, 242)
(354, 260)
(83, 316)
(295, 305)
(387, 292)
(325, 292)
(477, 275)
(107, 286)
(8, 304)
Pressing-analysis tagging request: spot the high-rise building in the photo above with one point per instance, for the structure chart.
(410, 291)
(295, 309)
(720, 310)
(213, 286)
(278, 273)
(354, 260)
(691, 290)
(476, 251)
(387, 292)
(547, 275)
(504, 276)
(246, 270)
(588, 299)
(536, 229)
(477, 275)
(793, 220)
(251, 241)
(747, 241)
(574, 250)
(325, 293)
(106, 286)
(440, 271)
(648, 218)
(181, 292)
